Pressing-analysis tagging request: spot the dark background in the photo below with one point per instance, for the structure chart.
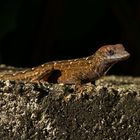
(33, 32)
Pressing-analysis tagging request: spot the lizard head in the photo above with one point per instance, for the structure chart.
(112, 53)
(107, 56)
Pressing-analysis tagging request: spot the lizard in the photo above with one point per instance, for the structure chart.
(73, 71)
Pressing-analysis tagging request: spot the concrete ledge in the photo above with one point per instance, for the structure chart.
(107, 110)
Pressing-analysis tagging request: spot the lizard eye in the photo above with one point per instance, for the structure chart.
(110, 52)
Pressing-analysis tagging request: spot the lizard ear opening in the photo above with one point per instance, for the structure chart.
(54, 76)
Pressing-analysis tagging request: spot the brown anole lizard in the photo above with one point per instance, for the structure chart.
(74, 71)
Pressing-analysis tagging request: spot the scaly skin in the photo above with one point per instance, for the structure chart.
(75, 71)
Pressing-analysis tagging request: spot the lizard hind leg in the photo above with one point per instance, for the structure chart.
(49, 76)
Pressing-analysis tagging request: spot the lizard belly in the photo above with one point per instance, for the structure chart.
(69, 77)
(77, 77)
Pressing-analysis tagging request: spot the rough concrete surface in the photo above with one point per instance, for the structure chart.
(108, 110)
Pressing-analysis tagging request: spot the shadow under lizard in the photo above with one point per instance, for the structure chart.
(74, 71)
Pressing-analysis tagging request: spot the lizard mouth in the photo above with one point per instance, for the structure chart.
(120, 57)
(125, 55)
